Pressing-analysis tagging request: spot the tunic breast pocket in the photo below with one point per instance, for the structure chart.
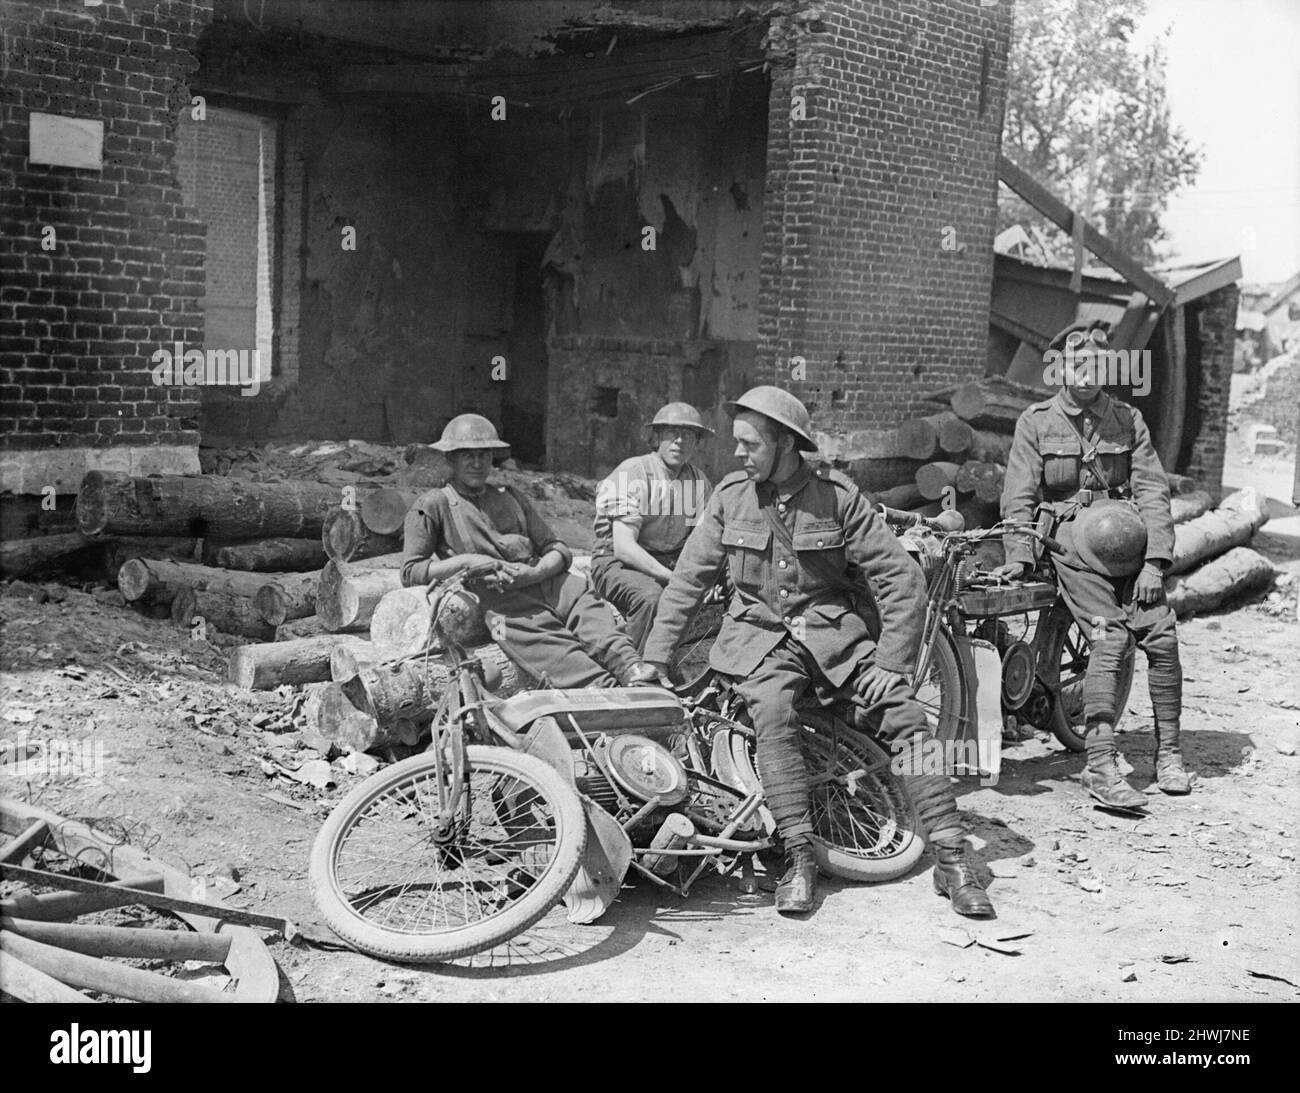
(819, 550)
(747, 546)
(1062, 459)
(1116, 460)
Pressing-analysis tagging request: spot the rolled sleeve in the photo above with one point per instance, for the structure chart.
(422, 536)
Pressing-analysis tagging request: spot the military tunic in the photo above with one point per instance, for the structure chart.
(556, 630)
(792, 621)
(1047, 465)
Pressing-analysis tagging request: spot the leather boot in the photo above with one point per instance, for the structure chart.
(954, 877)
(795, 893)
(1101, 777)
(1170, 775)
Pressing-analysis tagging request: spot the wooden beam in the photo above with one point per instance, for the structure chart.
(1063, 217)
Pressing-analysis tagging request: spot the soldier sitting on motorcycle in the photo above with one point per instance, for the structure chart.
(544, 618)
(1084, 454)
(802, 547)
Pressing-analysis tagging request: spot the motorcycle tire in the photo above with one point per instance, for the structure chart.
(870, 836)
(1060, 647)
(511, 794)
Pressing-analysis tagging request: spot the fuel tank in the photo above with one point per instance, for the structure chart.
(651, 711)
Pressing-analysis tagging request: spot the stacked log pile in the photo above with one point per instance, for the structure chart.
(1212, 564)
(957, 456)
(311, 627)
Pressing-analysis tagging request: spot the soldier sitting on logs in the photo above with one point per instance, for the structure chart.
(544, 618)
(644, 511)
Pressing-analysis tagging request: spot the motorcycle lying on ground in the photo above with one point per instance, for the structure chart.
(550, 795)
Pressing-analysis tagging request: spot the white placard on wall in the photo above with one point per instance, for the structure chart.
(65, 142)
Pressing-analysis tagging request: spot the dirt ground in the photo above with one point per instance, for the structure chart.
(1197, 901)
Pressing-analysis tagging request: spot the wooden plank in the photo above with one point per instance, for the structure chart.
(1063, 216)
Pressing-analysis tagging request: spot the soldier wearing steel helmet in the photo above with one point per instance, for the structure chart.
(645, 509)
(1088, 457)
(802, 549)
(544, 618)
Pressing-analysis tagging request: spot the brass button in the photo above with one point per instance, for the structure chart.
(819, 542)
(782, 564)
(785, 592)
(786, 620)
(740, 540)
(781, 507)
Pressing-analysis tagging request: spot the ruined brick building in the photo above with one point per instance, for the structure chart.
(558, 213)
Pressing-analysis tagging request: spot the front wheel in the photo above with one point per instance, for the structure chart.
(1062, 652)
(865, 827)
(389, 883)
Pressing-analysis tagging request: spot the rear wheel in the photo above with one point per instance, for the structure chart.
(387, 883)
(1062, 651)
(864, 825)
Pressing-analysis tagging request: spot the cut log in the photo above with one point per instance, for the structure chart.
(267, 555)
(117, 552)
(409, 690)
(925, 437)
(264, 667)
(1232, 524)
(23, 556)
(224, 611)
(202, 506)
(1189, 506)
(349, 591)
(345, 538)
(989, 447)
(383, 511)
(871, 475)
(899, 497)
(332, 715)
(289, 596)
(1239, 571)
(403, 620)
(157, 581)
(989, 404)
(933, 478)
(1180, 484)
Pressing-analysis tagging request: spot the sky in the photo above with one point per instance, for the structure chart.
(1234, 87)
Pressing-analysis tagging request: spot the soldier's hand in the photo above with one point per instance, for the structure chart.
(1012, 571)
(1149, 587)
(875, 683)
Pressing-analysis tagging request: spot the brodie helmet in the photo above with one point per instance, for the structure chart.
(783, 408)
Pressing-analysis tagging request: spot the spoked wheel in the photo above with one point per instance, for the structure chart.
(389, 883)
(864, 825)
(1062, 650)
(942, 692)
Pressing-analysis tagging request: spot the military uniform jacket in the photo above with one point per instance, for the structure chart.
(1047, 464)
(776, 591)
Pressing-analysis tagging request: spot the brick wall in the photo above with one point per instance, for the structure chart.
(881, 204)
(1211, 336)
(79, 322)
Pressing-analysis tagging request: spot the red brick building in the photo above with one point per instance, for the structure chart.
(560, 213)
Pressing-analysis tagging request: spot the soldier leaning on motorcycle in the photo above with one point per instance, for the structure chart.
(824, 601)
